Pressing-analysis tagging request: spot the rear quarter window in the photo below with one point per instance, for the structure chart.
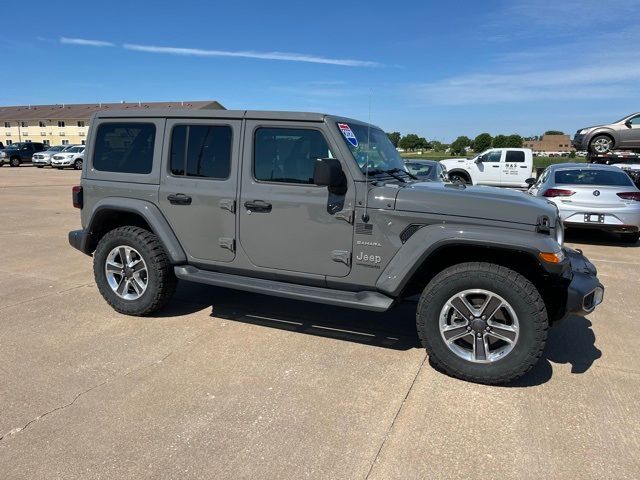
(124, 147)
(514, 156)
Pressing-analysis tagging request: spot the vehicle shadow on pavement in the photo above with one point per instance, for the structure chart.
(571, 341)
(394, 329)
(597, 237)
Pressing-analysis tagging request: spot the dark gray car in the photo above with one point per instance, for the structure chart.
(320, 208)
(431, 170)
(623, 134)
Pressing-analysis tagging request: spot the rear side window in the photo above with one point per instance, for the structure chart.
(592, 177)
(201, 151)
(124, 147)
(514, 156)
(288, 155)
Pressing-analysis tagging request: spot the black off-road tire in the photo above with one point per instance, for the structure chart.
(523, 297)
(161, 279)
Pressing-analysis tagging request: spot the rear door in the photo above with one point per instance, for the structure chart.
(286, 221)
(198, 184)
(515, 169)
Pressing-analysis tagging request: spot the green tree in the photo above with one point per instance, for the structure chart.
(423, 144)
(499, 141)
(394, 137)
(409, 142)
(514, 141)
(553, 132)
(482, 142)
(458, 147)
(437, 146)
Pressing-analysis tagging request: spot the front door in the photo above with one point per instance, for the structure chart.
(630, 135)
(286, 222)
(198, 186)
(489, 168)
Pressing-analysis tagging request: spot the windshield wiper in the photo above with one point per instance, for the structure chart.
(401, 170)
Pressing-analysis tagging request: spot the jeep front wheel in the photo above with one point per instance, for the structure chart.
(133, 272)
(482, 322)
(14, 162)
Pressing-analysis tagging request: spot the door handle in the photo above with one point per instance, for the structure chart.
(495, 166)
(523, 166)
(257, 206)
(179, 199)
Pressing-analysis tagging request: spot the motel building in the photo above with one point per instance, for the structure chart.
(68, 124)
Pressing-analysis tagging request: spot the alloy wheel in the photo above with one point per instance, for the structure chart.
(479, 326)
(126, 272)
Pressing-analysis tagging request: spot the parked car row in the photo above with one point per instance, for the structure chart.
(40, 155)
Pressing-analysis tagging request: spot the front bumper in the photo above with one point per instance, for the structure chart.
(62, 163)
(585, 292)
(578, 141)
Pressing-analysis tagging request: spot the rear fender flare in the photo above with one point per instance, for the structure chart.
(150, 213)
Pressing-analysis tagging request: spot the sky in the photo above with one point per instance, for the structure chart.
(439, 69)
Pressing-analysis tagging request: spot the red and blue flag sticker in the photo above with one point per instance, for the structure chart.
(348, 134)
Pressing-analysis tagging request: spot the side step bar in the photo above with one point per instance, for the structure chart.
(366, 300)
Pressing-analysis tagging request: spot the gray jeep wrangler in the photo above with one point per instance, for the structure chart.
(321, 208)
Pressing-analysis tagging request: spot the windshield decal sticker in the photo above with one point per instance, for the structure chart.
(348, 134)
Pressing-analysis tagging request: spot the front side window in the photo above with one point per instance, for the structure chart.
(635, 120)
(201, 151)
(124, 147)
(371, 148)
(494, 156)
(288, 155)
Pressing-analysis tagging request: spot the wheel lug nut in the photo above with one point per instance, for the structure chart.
(468, 328)
(484, 317)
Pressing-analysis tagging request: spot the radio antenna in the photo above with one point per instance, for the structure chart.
(365, 215)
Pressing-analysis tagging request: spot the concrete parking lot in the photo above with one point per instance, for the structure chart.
(226, 384)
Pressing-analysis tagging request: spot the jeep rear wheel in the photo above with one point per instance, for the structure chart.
(133, 272)
(14, 162)
(482, 322)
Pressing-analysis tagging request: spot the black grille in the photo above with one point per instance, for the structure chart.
(409, 231)
(364, 228)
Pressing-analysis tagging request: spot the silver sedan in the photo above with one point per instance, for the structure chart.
(596, 196)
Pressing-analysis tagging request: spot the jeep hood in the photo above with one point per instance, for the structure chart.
(491, 203)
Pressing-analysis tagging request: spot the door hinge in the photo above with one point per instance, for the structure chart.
(228, 204)
(346, 215)
(228, 243)
(341, 256)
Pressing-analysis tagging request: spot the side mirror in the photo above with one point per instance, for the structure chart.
(327, 172)
(628, 123)
(478, 159)
(530, 181)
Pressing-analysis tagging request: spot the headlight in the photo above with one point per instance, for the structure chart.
(2, 154)
(583, 131)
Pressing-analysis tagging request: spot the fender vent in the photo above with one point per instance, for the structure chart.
(409, 231)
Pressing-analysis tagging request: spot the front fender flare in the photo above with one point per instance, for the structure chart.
(428, 239)
(150, 213)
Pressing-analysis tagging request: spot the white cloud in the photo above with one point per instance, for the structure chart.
(602, 81)
(85, 42)
(282, 56)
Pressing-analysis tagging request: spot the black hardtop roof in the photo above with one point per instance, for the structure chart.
(224, 114)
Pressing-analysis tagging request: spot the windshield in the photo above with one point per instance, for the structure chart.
(56, 148)
(592, 177)
(369, 144)
(420, 169)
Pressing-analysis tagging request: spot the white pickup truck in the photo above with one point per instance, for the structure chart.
(502, 167)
